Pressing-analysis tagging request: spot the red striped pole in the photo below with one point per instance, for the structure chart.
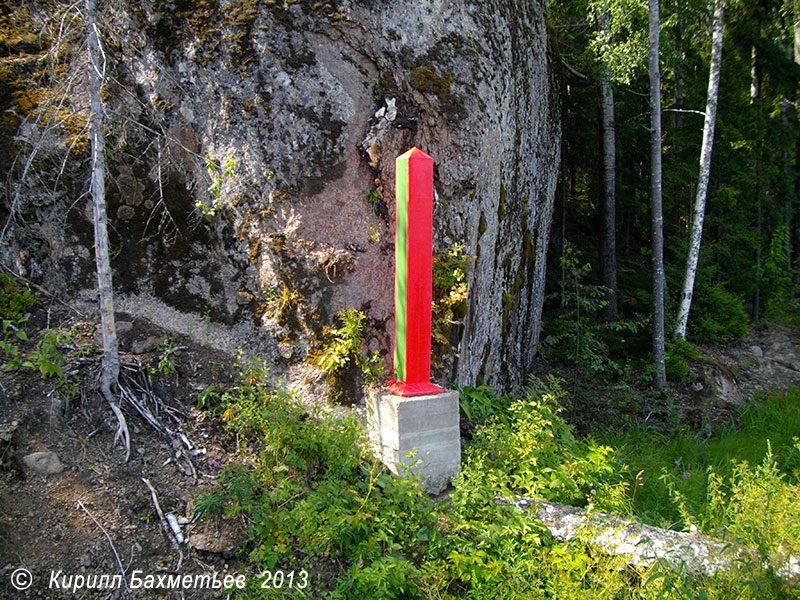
(412, 279)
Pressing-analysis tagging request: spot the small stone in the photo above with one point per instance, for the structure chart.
(219, 536)
(144, 346)
(85, 560)
(243, 298)
(757, 351)
(209, 543)
(123, 327)
(46, 463)
(286, 349)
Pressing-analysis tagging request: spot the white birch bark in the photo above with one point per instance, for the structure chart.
(110, 370)
(705, 169)
(657, 219)
(755, 98)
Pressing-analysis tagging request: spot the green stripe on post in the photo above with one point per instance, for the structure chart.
(401, 269)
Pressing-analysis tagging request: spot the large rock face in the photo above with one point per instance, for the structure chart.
(284, 119)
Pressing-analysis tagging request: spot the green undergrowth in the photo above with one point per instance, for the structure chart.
(683, 460)
(45, 351)
(317, 500)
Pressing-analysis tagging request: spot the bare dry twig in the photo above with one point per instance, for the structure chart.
(164, 524)
(110, 543)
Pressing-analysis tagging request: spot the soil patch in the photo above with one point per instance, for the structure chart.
(96, 516)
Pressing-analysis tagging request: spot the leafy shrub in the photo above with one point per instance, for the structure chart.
(390, 577)
(15, 300)
(679, 353)
(310, 483)
(480, 403)
(12, 334)
(47, 357)
(210, 504)
(208, 399)
(449, 277)
(166, 348)
(315, 498)
(757, 506)
(718, 316)
(536, 454)
(344, 347)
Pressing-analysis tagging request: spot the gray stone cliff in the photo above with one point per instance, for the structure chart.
(283, 119)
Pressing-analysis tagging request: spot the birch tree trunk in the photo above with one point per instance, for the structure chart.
(755, 98)
(608, 226)
(657, 219)
(796, 189)
(110, 370)
(705, 168)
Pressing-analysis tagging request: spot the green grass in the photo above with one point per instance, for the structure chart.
(685, 456)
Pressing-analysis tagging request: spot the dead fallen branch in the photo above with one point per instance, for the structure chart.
(165, 524)
(110, 543)
(644, 545)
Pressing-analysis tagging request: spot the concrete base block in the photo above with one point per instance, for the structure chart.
(429, 424)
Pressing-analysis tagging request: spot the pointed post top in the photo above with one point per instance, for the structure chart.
(415, 153)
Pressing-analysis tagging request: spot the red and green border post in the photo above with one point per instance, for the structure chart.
(412, 279)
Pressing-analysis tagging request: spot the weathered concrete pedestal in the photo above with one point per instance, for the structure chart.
(429, 424)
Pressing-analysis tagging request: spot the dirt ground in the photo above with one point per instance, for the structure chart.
(97, 516)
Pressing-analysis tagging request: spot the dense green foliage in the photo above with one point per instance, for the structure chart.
(751, 246)
(346, 347)
(315, 499)
(15, 299)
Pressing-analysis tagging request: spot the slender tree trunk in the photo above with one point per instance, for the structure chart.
(657, 219)
(705, 169)
(563, 230)
(796, 207)
(786, 188)
(755, 76)
(110, 371)
(755, 99)
(608, 225)
(677, 122)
